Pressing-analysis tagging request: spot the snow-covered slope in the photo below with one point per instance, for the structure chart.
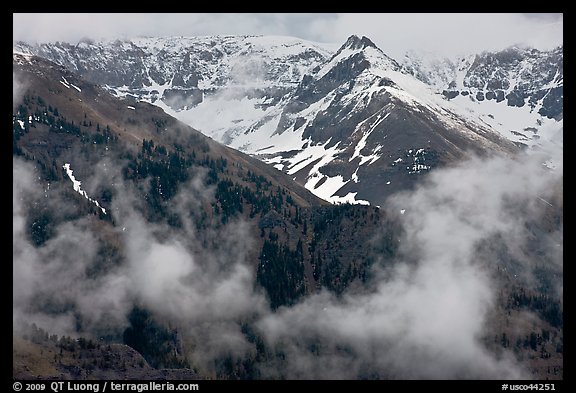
(221, 85)
(366, 128)
(517, 92)
(348, 122)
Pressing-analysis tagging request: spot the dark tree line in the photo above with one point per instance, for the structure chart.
(547, 307)
(153, 341)
(281, 272)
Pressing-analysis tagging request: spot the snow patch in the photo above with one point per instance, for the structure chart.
(362, 143)
(349, 198)
(355, 178)
(314, 153)
(76, 185)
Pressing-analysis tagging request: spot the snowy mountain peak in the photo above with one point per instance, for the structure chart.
(355, 42)
(352, 58)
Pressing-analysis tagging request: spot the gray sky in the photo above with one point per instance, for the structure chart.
(394, 33)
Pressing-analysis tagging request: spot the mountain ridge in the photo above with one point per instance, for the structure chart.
(270, 97)
(190, 221)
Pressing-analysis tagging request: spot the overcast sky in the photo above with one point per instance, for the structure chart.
(394, 33)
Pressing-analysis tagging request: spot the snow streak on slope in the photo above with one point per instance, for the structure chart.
(76, 184)
(358, 149)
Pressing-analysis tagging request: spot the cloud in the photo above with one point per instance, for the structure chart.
(73, 27)
(53, 282)
(424, 316)
(198, 281)
(429, 311)
(18, 88)
(394, 33)
(445, 34)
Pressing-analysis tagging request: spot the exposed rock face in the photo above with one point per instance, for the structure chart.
(521, 76)
(157, 68)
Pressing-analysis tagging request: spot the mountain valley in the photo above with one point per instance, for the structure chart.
(265, 207)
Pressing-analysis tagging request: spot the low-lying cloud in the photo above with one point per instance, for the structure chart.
(18, 88)
(427, 316)
(422, 317)
(207, 293)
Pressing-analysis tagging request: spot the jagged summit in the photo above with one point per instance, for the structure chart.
(360, 54)
(355, 42)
